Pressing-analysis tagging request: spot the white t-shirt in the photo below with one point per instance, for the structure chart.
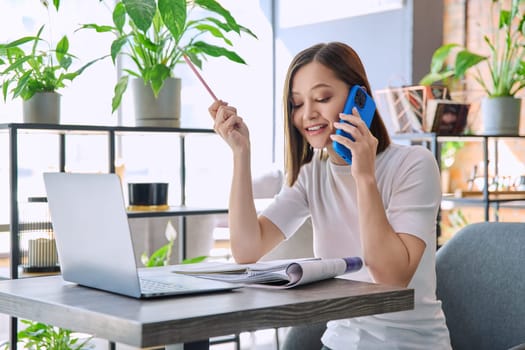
(409, 185)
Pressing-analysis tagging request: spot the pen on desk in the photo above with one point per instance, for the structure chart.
(194, 69)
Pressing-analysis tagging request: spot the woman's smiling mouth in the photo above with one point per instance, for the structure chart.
(315, 129)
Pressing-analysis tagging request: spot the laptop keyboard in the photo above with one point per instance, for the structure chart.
(153, 286)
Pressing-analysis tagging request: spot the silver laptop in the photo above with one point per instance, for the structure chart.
(94, 240)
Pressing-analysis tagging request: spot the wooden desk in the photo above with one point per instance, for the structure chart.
(145, 323)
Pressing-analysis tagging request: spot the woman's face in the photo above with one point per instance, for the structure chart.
(318, 97)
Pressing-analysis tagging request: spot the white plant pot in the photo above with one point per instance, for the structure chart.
(43, 108)
(501, 115)
(163, 111)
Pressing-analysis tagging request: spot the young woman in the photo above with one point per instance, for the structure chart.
(383, 207)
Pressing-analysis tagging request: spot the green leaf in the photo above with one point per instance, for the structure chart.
(217, 51)
(145, 43)
(504, 19)
(17, 65)
(431, 78)
(61, 51)
(97, 28)
(120, 88)
(35, 43)
(21, 87)
(19, 42)
(66, 62)
(81, 69)
(521, 69)
(13, 53)
(157, 76)
(439, 57)
(248, 31)
(141, 12)
(69, 76)
(5, 87)
(160, 256)
(174, 14)
(116, 47)
(195, 260)
(465, 60)
(119, 16)
(216, 32)
(224, 26)
(194, 58)
(132, 73)
(214, 6)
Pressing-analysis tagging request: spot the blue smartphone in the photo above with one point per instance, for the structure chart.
(366, 107)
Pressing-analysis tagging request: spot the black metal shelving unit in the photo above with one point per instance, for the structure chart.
(111, 132)
(486, 199)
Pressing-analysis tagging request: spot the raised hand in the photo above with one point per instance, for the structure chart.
(230, 126)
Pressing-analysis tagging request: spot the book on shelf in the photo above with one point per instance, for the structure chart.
(405, 106)
(277, 274)
(446, 117)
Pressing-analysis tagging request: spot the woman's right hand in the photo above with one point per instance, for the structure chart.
(229, 125)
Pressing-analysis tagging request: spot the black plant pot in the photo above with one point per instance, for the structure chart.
(146, 194)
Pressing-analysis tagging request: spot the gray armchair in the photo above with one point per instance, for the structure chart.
(481, 283)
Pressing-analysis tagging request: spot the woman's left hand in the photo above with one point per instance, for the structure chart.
(364, 145)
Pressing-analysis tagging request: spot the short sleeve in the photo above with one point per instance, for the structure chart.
(416, 195)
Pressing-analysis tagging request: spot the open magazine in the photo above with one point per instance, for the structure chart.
(279, 274)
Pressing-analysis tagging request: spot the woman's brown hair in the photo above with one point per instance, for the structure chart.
(347, 66)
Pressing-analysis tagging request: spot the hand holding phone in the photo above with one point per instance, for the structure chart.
(366, 107)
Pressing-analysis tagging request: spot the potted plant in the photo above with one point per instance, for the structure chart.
(38, 335)
(155, 35)
(505, 63)
(33, 70)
